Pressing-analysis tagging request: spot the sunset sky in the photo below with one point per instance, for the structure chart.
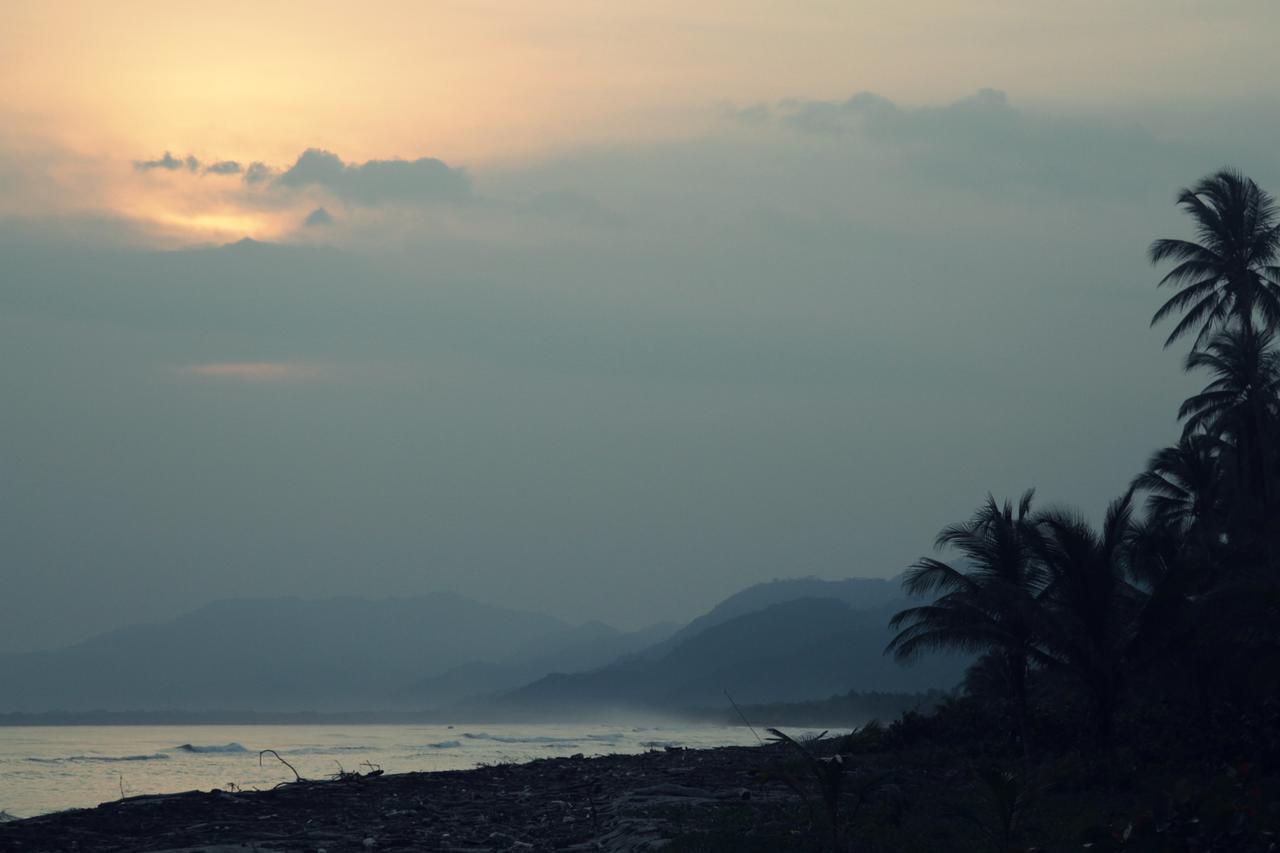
(89, 88)
(605, 309)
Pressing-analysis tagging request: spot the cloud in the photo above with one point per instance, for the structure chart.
(190, 163)
(753, 114)
(253, 371)
(223, 167)
(257, 173)
(318, 217)
(375, 181)
(169, 163)
(840, 116)
(983, 142)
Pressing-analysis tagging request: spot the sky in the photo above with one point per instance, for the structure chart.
(606, 310)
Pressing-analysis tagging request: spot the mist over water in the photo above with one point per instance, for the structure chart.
(46, 769)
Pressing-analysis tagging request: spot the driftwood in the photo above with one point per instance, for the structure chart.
(296, 776)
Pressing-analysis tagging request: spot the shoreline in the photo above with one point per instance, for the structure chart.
(944, 782)
(612, 802)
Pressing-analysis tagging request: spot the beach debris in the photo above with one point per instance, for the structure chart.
(553, 803)
(296, 776)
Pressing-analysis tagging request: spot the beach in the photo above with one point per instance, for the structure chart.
(614, 802)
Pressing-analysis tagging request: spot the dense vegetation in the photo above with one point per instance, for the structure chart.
(1125, 690)
(1173, 607)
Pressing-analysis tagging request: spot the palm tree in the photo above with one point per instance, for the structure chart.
(1240, 407)
(988, 607)
(1173, 564)
(1230, 274)
(1245, 390)
(1092, 613)
(1184, 490)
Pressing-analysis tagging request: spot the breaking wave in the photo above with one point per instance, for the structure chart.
(546, 739)
(326, 750)
(215, 748)
(158, 756)
(445, 744)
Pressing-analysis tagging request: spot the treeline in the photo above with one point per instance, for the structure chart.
(1170, 608)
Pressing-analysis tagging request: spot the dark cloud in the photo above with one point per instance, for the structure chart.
(318, 217)
(223, 167)
(375, 181)
(257, 173)
(370, 183)
(191, 163)
(168, 162)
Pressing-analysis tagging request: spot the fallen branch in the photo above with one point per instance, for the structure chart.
(296, 776)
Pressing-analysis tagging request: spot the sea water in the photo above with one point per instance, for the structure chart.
(51, 768)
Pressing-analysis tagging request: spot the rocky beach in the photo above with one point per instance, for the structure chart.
(951, 780)
(631, 802)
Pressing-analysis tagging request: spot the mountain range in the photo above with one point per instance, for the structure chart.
(290, 654)
(787, 640)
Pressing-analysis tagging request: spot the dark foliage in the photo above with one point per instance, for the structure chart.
(1172, 605)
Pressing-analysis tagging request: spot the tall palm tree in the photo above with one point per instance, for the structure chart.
(1241, 408)
(1245, 390)
(989, 605)
(1092, 613)
(1230, 273)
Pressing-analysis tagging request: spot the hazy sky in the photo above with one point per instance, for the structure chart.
(601, 309)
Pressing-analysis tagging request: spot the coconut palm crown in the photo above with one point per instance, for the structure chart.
(1229, 275)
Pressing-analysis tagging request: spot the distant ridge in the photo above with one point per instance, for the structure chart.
(771, 643)
(584, 647)
(858, 593)
(283, 654)
(443, 655)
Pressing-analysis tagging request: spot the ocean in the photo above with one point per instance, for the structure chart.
(52, 768)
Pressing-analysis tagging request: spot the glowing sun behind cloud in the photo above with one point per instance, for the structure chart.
(491, 85)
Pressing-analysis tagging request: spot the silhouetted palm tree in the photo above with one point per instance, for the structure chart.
(1091, 613)
(1184, 490)
(1185, 603)
(989, 606)
(1245, 390)
(1241, 408)
(1230, 274)
(1174, 567)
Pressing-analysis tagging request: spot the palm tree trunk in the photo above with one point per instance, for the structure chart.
(1104, 716)
(1018, 684)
